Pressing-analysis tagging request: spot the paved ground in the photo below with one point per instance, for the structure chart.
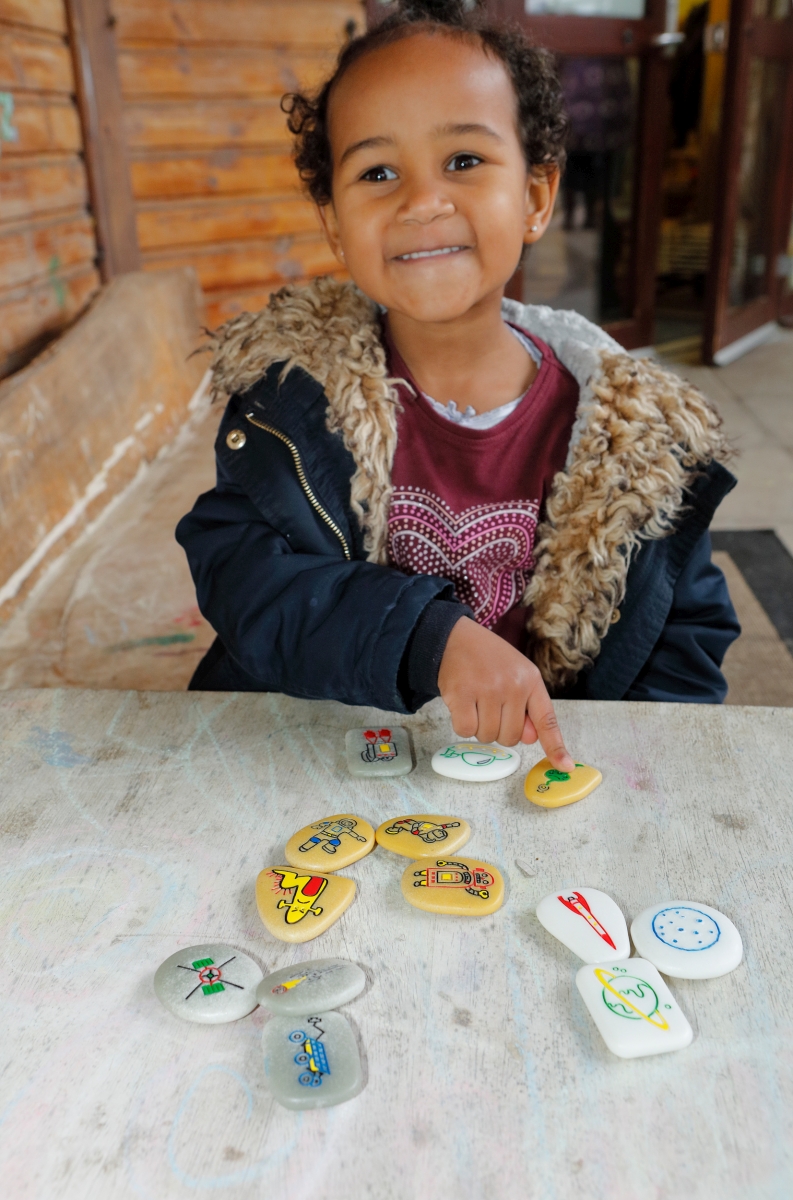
(119, 610)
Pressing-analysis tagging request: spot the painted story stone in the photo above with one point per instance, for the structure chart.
(550, 788)
(209, 984)
(378, 752)
(463, 887)
(422, 834)
(687, 940)
(477, 761)
(634, 1010)
(297, 906)
(588, 922)
(330, 844)
(309, 987)
(311, 1061)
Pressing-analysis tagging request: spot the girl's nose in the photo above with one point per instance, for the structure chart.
(424, 202)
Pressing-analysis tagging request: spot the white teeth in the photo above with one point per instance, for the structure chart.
(429, 253)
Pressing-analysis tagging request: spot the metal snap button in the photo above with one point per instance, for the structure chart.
(236, 439)
(615, 616)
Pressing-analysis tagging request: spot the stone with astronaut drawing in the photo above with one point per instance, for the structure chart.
(311, 1061)
(377, 752)
(330, 844)
(306, 987)
(464, 887)
(421, 834)
(297, 906)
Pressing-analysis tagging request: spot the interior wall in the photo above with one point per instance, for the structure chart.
(47, 244)
(209, 151)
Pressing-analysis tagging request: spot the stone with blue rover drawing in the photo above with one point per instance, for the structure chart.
(209, 984)
(311, 1061)
(378, 751)
(479, 762)
(306, 987)
(687, 939)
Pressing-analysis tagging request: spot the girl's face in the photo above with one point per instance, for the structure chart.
(432, 200)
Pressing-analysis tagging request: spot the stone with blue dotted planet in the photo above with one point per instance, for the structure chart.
(687, 939)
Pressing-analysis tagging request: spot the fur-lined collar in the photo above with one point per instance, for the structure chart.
(639, 436)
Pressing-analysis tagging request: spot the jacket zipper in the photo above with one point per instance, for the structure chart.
(301, 474)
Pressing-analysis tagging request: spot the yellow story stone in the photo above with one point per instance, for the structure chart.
(419, 835)
(297, 906)
(552, 789)
(463, 887)
(330, 844)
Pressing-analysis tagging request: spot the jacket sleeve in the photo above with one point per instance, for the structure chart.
(312, 625)
(685, 663)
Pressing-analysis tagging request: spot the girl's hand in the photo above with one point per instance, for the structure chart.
(496, 694)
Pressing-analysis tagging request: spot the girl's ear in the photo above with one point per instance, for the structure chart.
(327, 217)
(541, 190)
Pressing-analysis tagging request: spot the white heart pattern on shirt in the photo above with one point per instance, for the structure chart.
(486, 550)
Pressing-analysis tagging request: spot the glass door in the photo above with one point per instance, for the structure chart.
(750, 280)
(599, 254)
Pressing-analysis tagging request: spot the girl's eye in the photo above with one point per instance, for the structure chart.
(463, 162)
(379, 175)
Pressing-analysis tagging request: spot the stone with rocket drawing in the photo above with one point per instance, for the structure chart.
(588, 922)
(464, 887)
(305, 987)
(330, 844)
(297, 906)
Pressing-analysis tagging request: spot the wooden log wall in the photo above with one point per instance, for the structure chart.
(209, 151)
(47, 245)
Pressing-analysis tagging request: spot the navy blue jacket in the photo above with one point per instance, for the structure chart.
(280, 570)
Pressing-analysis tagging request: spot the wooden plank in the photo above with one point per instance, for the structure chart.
(36, 14)
(99, 98)
(164, 223)
(136, 824)
(221, 304)
(31, 187)
(44, 126)
(42, 249)
(32, 63)
(222, 173)
(32, 316)
(245, 22)
(202, 124)
(197, 71)
(247, 263)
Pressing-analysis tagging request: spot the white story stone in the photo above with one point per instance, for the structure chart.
(687, 940)
(588, 922)
(480, 762)
(311, 1061)
(309, 987)
(634, 1010)
(377, 752)
(208, 984)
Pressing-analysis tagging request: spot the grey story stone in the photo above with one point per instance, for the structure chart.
(378, 751)
(209, 984)
(308, 987)
(311, 1061)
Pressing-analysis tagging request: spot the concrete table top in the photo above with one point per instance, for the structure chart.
(134, 824)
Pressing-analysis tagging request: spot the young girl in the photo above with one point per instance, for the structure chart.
(423, 488)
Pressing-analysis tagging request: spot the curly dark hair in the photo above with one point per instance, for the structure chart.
(542, 120)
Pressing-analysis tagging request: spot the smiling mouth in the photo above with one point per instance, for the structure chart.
(416, 254)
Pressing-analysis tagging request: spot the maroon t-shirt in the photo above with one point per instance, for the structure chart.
(466, 502)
